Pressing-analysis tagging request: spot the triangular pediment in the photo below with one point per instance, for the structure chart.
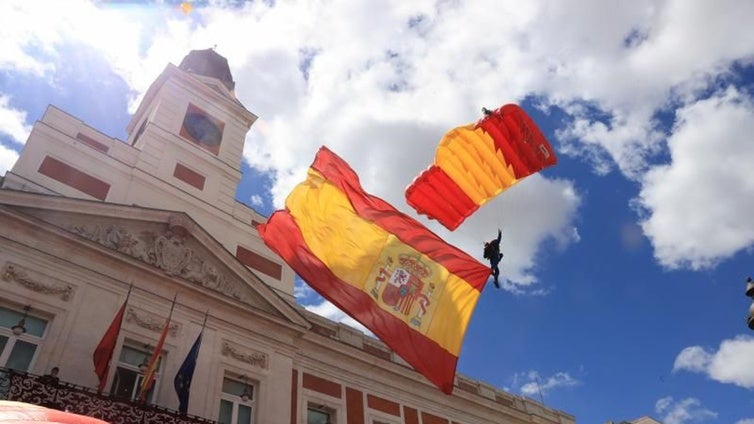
(170, 242)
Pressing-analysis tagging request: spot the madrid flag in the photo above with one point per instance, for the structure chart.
(386, 270)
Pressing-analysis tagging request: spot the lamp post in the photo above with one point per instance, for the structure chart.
(750, 293)
(20, 328)
(246, 395)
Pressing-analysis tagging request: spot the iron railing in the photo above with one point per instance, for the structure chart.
(30, 388)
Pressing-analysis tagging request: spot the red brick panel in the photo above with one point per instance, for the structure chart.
(384, 354)
(354, 406)
(383, 405)
(189, 176)
(318, 384)
(410, 416)
(294, 396)
(432, 419)
(72, 177)
(92, 142)
(260, 263)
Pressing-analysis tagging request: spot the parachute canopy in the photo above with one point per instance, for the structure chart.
(476, 162)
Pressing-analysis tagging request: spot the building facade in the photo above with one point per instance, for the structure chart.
(89, 221)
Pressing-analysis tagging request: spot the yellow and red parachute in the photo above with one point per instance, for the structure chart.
(476, 162)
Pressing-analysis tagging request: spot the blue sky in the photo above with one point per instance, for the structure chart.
(624, 264)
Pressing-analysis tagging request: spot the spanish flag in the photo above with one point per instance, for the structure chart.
(401, 281)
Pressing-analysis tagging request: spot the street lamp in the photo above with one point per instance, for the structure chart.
(144, 365)
(20, 328)
(750, 293)
(246, 395)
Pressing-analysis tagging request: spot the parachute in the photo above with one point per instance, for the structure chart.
(476, 162)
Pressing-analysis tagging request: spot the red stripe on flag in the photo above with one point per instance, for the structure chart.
(425, 355)
(435, 194)
(407, 229)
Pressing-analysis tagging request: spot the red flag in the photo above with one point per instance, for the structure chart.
(148, 380)
(104, 351)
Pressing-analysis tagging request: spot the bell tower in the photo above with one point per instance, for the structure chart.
(190, 128)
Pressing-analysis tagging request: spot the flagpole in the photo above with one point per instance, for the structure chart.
(204, 324)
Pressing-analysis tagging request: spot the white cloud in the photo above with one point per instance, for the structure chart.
(13, 121)
(745, 421)
(683, 411)
(381, 82)
(693, 358)
(732, 363)
(331, 312)
(256, 200)
(8, 158)
(532, 384)
(698, 206)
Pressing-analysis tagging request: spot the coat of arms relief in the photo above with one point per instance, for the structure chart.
(171, 249)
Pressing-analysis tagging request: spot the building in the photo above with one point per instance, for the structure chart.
(88, 219)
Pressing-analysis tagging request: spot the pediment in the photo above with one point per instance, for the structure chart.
(171, 242)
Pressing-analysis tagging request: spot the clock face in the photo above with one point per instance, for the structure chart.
(202, 129)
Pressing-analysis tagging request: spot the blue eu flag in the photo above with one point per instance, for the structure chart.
(182, 382)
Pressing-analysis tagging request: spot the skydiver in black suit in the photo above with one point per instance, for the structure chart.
(492, 253)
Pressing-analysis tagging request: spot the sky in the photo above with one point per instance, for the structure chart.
(624, 267)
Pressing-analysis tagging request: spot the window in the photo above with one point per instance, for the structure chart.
(237, 402)
(128, 377)
(319, 414)
(18, 352)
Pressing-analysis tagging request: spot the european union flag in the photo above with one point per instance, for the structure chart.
(182, 382)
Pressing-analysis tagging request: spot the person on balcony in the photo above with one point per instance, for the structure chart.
(51, 378)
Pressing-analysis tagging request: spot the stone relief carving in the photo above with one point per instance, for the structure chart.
(13, 272)
(170, 251)
(150, 321)
(252, 357)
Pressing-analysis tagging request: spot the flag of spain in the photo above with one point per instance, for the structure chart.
(386, 270)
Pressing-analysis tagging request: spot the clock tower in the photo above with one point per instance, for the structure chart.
(190, 128)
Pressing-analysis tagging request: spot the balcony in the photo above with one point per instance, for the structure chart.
(25, 387)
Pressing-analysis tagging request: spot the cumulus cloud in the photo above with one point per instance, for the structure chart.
(329, 311)
(380, 84)
(697, 205)
(13, 122)
(683, 411)
(256, 200)
(532, 384)
(8, 158)
(745, 421)
(732, 362)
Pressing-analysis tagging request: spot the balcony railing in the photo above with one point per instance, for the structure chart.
(25, 387)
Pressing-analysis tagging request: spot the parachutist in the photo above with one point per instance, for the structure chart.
(486, 111)
(492, 253)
